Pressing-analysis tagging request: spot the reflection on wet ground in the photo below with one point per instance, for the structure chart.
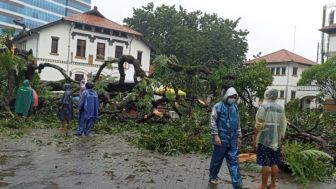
(49, 159)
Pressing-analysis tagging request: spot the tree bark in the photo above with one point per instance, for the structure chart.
(63, 72)
(9, 95)
(306, 135)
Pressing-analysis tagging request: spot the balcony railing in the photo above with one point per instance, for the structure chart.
(308, 88)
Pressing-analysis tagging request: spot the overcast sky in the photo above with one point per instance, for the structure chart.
(272, 23)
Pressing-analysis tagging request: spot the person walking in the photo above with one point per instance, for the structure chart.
(270, 130)
(226, 133)
(88, 110)
(24, 100)
(81, 87)
(65, 107)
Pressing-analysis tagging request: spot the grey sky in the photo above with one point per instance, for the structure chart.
(271, 22)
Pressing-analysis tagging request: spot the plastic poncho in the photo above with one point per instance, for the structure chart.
(24, 99)
(35, 98)
(225, 119)
(65, 109)
(89, 104)
(271, 121)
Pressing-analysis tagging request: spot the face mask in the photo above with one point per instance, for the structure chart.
(231, 101)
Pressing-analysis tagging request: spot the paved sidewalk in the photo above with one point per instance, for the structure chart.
(43, 159)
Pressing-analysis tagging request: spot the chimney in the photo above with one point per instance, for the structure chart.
(95, 8)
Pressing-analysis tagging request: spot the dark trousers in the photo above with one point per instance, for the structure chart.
(85, 125)
(230, 153)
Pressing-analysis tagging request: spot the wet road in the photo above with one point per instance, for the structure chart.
(48, 159)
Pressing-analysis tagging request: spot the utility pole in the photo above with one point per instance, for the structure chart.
(294, 39)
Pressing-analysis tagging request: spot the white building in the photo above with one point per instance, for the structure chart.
(328, 41)
(80, 43)
(286, 68)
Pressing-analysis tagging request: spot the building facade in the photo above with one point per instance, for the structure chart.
(328, 40)
(35, 13)
(81, 43)
(286, 68)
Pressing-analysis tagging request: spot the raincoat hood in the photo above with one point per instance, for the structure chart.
(67, 87)
(67, 96)
(271, 95)
(25, 83)
(231, 91)
(24, 99)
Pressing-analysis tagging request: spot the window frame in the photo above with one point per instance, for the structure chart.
(116, 55)
(100, 54)
(273, 70)
(282, 94)
(293, 94)
(296, 71)
(278, 70)
(78, 53)
(81, 76)
(283, 70)
(139, 53)
(54, 39)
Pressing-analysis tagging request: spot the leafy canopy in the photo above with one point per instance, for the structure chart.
(193, 37)
(323, 75)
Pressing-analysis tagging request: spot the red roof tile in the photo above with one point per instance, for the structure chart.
(95, 18)
(283, 55)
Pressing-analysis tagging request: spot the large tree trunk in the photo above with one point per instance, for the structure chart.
(9, 95)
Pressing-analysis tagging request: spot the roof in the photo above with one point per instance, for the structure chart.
(95, 18)
(329, 29)
(283, 55)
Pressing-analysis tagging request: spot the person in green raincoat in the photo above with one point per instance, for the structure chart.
(24, 99)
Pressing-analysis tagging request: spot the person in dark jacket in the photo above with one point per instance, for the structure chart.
(65, 107)
(88, 110)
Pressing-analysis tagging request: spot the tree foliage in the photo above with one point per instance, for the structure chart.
(307, 163)
(193, 37)
(209, 78)
(323, 75)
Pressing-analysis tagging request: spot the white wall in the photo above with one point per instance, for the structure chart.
(41, 43)
(32, 44)
(44, 47)
(138, 45)
(332, 42)
(288, 81)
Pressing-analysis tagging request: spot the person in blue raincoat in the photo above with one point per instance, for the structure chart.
(226, 133)
(88, 110)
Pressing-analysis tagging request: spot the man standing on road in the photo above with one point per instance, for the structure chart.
(88, 110)
(65, 107)
(226, 133)
(270, 130)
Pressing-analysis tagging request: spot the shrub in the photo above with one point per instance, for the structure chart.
(307, 163)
